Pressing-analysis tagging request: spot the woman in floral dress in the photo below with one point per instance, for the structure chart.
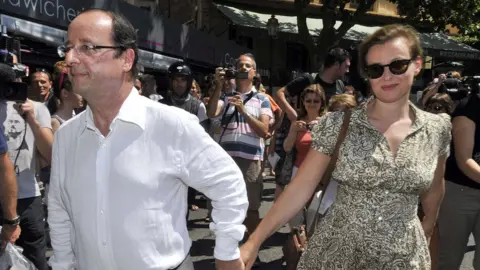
(393, 154)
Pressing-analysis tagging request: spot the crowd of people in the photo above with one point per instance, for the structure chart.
(122, 163)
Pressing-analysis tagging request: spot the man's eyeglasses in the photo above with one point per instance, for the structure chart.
(397, 67)
(84, 49)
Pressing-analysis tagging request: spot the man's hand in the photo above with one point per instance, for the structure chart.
(248, 253)
(237, 101)
(27, 109)
(10, 234)
(230, 265)
(219, 76)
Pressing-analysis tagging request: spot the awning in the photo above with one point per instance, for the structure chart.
(435, 44)
(440, 45)
(288, 24)
(55, 37)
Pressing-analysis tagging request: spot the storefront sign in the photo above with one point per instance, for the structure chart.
(154, 33)
(454, 55)
(56, 12)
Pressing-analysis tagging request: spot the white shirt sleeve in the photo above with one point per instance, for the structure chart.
(58, 219)
(202, 113)
(210, 170)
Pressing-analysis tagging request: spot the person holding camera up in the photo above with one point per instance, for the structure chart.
(245, 123)
(8, 192)
(27, 129)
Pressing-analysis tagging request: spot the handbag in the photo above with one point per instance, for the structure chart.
(298, 238)
(288, 163)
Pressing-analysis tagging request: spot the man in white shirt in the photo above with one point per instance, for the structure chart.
(121, 169)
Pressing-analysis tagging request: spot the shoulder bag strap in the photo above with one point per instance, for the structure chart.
(327, 176)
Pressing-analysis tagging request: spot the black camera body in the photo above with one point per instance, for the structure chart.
(14, 91)
(10, 54)
(232, 73)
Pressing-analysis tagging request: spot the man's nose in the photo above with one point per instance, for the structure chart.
(70, 57)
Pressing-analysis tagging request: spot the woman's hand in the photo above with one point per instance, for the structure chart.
(298, 126)
(249, 253)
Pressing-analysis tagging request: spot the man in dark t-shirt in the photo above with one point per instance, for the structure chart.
(459, 214)
(336, 65)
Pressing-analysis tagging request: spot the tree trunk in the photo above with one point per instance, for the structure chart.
(326, 40)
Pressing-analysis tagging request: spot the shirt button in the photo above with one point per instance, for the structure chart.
(380, 218)
(104, 243)
(101, 212)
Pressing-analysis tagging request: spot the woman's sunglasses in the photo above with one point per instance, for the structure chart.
(397, 67)
(435, 107)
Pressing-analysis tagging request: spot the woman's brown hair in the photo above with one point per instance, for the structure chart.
(444, 100)
(385, 34)
(312, 89)
(341, 102)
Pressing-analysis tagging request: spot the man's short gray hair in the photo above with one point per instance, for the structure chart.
(249, 55)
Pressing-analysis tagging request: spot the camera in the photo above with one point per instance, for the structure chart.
(473, 83)
(14, 91)
(232, 73)
(10, 54)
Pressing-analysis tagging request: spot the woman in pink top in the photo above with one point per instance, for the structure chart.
(312, 107)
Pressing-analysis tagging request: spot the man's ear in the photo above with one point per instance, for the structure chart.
(129, 59)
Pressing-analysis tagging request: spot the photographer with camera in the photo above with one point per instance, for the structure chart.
(245, 123)
(27, 129)
(8, 190)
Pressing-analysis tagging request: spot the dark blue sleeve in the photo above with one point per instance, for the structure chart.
(3, 142)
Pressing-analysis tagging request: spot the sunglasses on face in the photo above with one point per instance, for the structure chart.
(435, 107)
(397, 67)
(316, 101)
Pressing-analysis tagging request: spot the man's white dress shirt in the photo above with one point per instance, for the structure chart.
(120, 201)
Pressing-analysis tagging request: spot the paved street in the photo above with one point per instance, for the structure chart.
(271, 254)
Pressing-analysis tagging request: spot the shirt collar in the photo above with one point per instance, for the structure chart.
(252, 90)
(131, 111)
(418, 122)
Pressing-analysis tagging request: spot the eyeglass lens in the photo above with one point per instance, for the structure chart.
(397, 67)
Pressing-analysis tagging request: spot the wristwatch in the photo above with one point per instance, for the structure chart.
(12, 222)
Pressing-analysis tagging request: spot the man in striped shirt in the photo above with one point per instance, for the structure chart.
(245, 121)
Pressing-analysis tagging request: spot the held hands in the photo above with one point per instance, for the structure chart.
(230, 265)
(248, 253)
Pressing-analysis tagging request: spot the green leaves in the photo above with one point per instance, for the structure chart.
(440, 13)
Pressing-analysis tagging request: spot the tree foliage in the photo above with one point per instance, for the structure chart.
(434, 14)
(440, 13)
